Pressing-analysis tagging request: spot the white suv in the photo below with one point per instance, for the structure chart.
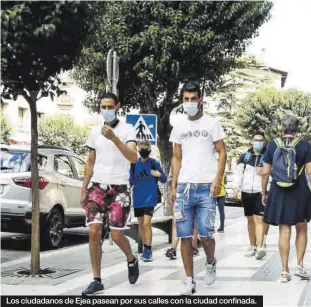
(61, 174)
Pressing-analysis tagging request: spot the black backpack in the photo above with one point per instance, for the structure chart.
(153, 167)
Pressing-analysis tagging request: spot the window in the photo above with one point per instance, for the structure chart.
(22, 118)
(19, 161)
(79, 165)
(62, 166)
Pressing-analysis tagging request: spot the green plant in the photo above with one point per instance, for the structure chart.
(6, 129)
(265, 109)
(61, 131)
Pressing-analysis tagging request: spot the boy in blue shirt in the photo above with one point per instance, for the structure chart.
(144, 177)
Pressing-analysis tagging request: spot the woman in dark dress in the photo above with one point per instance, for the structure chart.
(287, 207)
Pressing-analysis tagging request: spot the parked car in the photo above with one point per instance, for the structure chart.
(231, 200)
(61, 174)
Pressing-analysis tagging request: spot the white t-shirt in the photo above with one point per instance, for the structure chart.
(197, 138)
(111, 167)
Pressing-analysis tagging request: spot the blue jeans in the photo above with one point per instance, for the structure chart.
(193, 201)
(221, 208)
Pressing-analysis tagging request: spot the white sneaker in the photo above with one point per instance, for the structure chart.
(190, 286)
(251, 251)
(301, 272)
(210, 274)
(285, 277)
(261, 253)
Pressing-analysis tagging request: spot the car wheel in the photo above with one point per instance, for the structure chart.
(53, 230)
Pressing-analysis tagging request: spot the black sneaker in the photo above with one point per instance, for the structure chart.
(94, 287)
(171, 253)
(133, 271)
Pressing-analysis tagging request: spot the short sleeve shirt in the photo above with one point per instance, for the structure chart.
(111, 167)
(197, 138)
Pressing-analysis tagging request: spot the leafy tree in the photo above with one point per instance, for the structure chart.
(39, 39)
(265, 109)
(236, 141)
(163, 44)
(248, 75)
(61, 131)
(5, 130)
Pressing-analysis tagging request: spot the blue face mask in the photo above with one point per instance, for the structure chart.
(191, 108)
(108, 115)
(258, 146)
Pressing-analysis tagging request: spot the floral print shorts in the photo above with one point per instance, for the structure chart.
(108, 199)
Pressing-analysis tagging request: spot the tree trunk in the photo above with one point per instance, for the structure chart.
(166, 152)
(35, 230)
(165, 146)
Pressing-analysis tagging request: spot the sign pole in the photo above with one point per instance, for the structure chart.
(112, 69)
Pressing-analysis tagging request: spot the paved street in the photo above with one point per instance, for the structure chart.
(15, 246)
(236, 275)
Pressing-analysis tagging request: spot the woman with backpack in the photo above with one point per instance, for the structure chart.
(288, 202)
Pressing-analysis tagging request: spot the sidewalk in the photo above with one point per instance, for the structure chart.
(236, 275)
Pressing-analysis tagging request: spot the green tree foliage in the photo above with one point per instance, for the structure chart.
(5, 130)
(163, 44)
(38, 40)
(62, 131)
(236, 141)
(265, 109)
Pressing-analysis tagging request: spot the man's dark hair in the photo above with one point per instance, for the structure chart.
(191, 86)
(259, 133)
(110, 95)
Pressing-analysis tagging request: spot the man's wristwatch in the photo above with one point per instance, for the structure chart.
(264, 192)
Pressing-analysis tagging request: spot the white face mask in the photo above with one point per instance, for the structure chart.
(108, 115)
(191, 108)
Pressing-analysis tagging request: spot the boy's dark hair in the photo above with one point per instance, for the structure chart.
(259, 133)
(191, 86)
(144, 142)
(110, 95)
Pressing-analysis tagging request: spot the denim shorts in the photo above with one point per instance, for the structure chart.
(194, 201)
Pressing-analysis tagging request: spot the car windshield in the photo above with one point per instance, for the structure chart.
(18, 161)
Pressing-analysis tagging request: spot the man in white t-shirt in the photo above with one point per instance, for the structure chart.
(196, 181)
(112, 149)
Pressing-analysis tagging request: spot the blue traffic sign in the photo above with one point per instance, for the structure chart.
(145, 126)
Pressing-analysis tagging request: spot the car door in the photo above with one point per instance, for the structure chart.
(78, 165)
(67, 183)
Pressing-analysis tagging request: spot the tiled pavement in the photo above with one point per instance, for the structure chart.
(236, 275)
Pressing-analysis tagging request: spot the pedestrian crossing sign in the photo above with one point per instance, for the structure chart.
(145, 126)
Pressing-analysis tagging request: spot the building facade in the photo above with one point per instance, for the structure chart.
(70, 104)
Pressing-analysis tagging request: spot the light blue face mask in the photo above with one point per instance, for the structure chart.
(108, 115)
(191, 108)
(258, 146)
